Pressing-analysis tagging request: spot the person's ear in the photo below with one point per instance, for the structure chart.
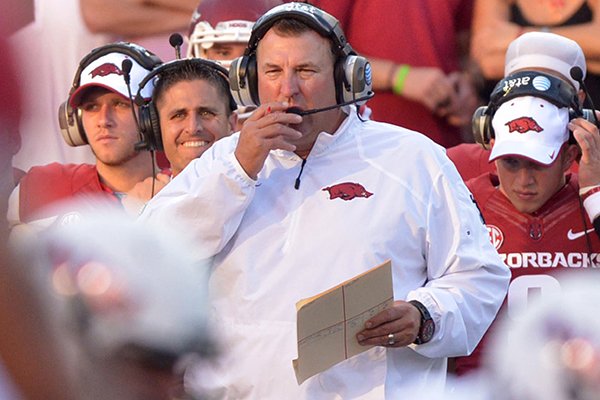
(571, 154)
(233, 118)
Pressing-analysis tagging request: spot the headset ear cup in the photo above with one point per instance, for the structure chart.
(481, 127)
(575, 113)
(155, 123)
(150, 127)
(252, 79)
(243, 89)
(71, 127)
(357, 71)
(353, 79)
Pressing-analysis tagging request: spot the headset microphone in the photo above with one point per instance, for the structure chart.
(298, 111)
(577, 74)
(176, 40)
(126, 66)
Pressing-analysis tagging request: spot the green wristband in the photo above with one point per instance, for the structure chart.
(400, 79)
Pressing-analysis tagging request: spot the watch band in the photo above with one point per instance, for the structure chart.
(427, 327)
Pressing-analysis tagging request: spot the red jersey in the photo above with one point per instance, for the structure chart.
(46, 185)
(557, 239)
(471, 160)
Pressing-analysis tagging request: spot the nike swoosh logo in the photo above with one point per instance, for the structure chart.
(576, 235)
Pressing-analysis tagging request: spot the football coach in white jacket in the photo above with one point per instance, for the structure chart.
(299, 201)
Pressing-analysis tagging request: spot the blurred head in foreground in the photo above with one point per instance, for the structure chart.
(130, 303)
(552, 351)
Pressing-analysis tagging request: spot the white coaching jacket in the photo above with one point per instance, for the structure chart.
(368, 193)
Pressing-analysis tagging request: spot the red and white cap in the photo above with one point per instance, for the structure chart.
(545, 50)
(106, 72)
(529, 127)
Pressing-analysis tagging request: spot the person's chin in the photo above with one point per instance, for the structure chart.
(191, 155)
(527, 207)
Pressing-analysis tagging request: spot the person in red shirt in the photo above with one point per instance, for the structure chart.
(539, 214)
(417, 51)
(97, 112)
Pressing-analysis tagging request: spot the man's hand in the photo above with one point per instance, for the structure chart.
(430, 87)
(489, 44)
(267, 129)
(588, 138)
(396, 326)
(464, 103)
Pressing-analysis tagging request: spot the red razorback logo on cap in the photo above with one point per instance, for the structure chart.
(523, 125)
(106, 69)
(347, 191)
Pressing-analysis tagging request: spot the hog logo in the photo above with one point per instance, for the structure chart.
(347, 191)
(523, 125)
(106, 69)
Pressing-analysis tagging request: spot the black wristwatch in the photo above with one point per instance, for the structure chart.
(427, 325)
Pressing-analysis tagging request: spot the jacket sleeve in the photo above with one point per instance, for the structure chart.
(466, 278)
(207, 200)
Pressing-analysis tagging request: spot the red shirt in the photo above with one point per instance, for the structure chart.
(420, 33)
(471, 160)
(46, 185)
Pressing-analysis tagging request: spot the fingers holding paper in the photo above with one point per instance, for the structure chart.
(396, 326)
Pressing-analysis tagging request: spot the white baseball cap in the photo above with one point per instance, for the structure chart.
(545, 50)
(106, 72)
(530, 127)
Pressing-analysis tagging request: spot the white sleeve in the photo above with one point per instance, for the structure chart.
(207, 200)
(467, 280)
(19, 231)
(591, 201)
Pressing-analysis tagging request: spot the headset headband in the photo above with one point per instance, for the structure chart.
(315, 18)
(176, 64)
(537, 84)
(142, 56)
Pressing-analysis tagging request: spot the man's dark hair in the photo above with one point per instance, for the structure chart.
(189, 71)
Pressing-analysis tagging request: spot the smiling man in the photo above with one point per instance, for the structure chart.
(194, 107)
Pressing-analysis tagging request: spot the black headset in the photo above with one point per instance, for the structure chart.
(526, 83)
(148, 114)
(69, 118)
(351, 75)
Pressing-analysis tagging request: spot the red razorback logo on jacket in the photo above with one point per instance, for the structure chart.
(347, 191)
(106, 69)
(523, 124)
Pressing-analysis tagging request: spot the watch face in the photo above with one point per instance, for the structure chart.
(427, 330)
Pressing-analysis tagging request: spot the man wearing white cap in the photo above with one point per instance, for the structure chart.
(98, 112)
(538, 214)
(532, 51)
